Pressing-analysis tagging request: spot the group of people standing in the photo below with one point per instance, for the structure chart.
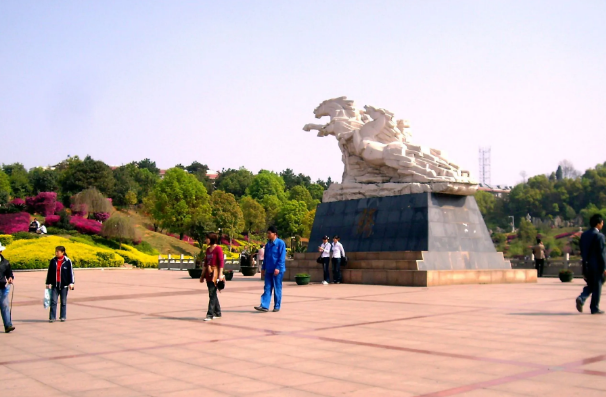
(59, 280)
(336, 252)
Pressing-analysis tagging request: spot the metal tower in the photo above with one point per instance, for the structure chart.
(484, 169)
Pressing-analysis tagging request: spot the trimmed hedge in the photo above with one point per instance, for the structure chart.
(36, 254)
(6, 239)
(137, 258)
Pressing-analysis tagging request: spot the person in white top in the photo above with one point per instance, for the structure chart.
(338, 253)
(325, 255)
(261, 255)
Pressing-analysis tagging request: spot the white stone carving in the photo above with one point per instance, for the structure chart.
(380, 158)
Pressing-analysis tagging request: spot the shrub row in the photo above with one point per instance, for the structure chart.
(13, 223)
(36, 254)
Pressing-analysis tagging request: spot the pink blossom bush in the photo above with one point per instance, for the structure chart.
(30, 204)
(45, 203)
(59, 207)
(13, 223)
(101, 216)
(52, 220)
(86, 226)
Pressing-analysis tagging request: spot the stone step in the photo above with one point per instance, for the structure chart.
(359, 264)
(396, 255)
(423, 278)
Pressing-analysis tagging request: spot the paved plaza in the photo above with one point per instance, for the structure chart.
(140, 333)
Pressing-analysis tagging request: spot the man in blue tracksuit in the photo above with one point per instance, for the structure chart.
(272, 270)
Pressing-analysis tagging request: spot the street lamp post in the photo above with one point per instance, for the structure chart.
(513, 225)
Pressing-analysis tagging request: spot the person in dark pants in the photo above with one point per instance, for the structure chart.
(6, 279)
(325, 255)
(539, 257)
(272, 271)
(59, 279)
(212, 273)
(338, 253)
(594, 264)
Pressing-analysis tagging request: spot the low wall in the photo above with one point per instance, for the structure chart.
(552, 267)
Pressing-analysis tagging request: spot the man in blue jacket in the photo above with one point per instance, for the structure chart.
(272, 270)
(593, 251)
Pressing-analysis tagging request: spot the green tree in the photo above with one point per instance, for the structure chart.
(527, 233)
(119, 227)
(83, 174)
(291, 218)
(91, 201)
(291, 180)
(234, 181)
(178, 200)
(316, 191)
(254, 214)
(272, 205)
(559, 173)
(5, 183)
(266, 183)
(226, 212)
(486, 202)
(149, 165)
(19, 179)
(43, 180)
(308, 223)
(300, 193)
(131, 198)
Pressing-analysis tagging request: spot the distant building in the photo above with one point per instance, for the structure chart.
(497, 190)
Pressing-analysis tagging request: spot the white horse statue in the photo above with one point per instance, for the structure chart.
(377, 149)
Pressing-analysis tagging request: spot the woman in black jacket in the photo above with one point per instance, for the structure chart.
(59, 278)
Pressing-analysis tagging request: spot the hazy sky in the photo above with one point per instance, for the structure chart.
(232, 83)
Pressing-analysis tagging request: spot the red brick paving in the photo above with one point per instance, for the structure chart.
(140, 333)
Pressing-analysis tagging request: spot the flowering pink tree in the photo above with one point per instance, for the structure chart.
(13, 223)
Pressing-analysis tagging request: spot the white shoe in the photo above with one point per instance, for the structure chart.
(324, 282)
(208, 318)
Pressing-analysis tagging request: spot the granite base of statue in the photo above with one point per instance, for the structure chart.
(406, 215)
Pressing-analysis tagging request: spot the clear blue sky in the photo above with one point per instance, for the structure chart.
(232, 83)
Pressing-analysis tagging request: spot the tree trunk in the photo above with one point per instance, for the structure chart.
(181, 234)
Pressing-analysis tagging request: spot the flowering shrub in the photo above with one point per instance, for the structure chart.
(79, 209)
(46, 203)
(52, 220)
(101, 216)
(18, 204)
(59, 207)
(137, 258)
(86, 226)
(13, 223)
(36, 254)
(30, 204)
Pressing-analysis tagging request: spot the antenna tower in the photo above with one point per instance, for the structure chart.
(484, 168)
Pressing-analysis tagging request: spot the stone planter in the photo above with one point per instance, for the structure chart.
(229, 276)
(566, 275)
(302, 280)
(248, 270)
(195, 273)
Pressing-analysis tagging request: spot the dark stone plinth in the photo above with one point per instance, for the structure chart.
(448, 229)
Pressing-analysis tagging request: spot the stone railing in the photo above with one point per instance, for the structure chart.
(179, 263)
(552, 266)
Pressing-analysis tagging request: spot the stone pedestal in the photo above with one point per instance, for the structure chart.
(424, 239)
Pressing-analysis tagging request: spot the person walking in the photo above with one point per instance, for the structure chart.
(539, 257)
(212, 273)
(272, 271)
(6, 279)
(325, 256)
(260, 256)
(338, 253)
(59, 278)
(593, 252)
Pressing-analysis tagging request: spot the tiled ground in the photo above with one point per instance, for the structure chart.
(140, 333)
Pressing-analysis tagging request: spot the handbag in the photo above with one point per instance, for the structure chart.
(344, 261)
(319, 260)
(47, 298)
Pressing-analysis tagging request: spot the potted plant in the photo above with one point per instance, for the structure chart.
(196, 272)
(247, 268)
(566, 275)
(302, 278)
(229, 274)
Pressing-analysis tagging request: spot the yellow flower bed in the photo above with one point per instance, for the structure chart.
(137, 258)
(36, 254)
